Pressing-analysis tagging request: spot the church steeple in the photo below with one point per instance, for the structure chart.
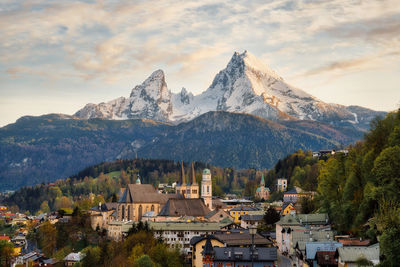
(194, 182)
(182, 174)
(262, 180)
(138, 179)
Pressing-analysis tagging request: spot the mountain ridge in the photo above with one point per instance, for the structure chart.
(246, 85)
(45, 148)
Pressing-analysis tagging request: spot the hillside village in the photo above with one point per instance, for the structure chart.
(206, 230)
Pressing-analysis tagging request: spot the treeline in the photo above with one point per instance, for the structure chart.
(102, 182)
(361, 191)
(140, 248)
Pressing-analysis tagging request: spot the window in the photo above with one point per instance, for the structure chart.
(208, 189)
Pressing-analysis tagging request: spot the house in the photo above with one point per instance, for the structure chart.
(326, 259)
(197, 244)
(176, 208)
(179, 234)
(281, 185)
(238, 256)
(73, 258)
(238, 211)
(348, 256)
(312, 248)
(299, 222)
(242, 238)
(249, 220)
(100, 214)
(288, 208)
(295, 194)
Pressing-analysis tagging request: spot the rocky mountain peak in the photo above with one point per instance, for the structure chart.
(246, 85)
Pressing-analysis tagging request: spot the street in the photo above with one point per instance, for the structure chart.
(283, 261)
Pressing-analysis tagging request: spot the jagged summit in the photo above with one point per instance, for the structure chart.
(246, 85)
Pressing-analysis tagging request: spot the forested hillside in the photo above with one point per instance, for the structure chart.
(46, 148)
(361, 191)
(100, 183)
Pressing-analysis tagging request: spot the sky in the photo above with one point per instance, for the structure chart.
(57, 56)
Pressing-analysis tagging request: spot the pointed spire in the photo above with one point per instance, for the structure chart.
(182, 174)
(193, 175)
(262, 179)
(138, 179)
(208, 248)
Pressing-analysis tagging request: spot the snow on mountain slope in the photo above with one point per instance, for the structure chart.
(246, 85)
(150, 100)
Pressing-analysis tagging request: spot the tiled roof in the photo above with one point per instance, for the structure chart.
(184, 207)
(352, 254)
(354, 242)
(326, 258)
(261, 254)
(244, 208)
(144, 193)
(242, 238)
(249, 217)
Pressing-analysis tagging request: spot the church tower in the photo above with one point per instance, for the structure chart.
(206, 188)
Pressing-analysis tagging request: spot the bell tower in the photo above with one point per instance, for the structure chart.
(206, 188)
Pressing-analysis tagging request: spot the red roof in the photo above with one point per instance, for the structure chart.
(354, 242)
(5, 238)
(326, 258)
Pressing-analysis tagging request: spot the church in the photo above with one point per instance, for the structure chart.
(137, 199)
(262, 192)
(189, 190)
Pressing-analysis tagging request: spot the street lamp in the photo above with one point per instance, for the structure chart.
(252, 231)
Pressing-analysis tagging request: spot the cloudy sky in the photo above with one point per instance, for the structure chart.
(56, 56)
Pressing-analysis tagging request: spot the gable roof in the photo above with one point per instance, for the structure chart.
(288, 220)
(313, 247)
(352, 254)
(144, 193)
(316, 218)
(252, 217)
(241, 238)
(184, 207)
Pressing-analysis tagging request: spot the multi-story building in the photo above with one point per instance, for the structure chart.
(281, 185)
(238, 256)
(239, 211)
(179, 234)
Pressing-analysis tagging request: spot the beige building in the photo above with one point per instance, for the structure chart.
(188, 190)
(100, 215)
(197, 244)
(137, 199)
(281, 185)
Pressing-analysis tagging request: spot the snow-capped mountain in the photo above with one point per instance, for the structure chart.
(246, 85)
(150, 100)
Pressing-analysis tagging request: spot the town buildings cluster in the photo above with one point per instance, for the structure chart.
(212, 231)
